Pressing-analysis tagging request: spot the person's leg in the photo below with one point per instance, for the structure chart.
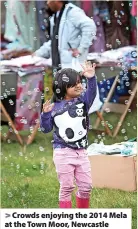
(83, 181)
(65, 174)
(66, 186)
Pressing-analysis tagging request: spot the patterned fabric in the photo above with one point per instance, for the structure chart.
(28, 101)
(129, 59)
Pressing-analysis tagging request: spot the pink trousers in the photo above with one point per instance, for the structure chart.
(73, 165)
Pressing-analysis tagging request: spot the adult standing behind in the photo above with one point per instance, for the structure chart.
(71, 33)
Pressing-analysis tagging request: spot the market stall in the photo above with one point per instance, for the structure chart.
(23, 79)
(116, 68)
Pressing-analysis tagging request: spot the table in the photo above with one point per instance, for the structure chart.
(28, 91)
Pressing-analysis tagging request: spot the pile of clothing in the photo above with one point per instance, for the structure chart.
(122, 148)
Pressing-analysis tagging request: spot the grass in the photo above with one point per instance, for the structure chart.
(29, 180)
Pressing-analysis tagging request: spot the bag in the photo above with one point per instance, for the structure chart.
(75, 64)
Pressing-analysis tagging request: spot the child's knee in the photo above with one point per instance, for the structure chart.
(84, 192)
(65, 192)
(67, 189)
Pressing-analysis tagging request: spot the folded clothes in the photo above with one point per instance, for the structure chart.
(25, 61)
(125, 55)
(123, 148)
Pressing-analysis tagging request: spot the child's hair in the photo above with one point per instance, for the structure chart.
(64, 79)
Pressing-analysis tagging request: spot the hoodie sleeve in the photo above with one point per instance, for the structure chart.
(46, 122)
(90, 94)
(44, 50)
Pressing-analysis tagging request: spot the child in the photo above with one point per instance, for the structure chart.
(69, 118)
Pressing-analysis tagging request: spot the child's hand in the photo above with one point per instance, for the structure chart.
(47, 106)
(88, 69)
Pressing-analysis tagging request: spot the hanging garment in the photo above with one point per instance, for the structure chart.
(87, 7)
(98, 44)
(21, 23)
(134, 8)
(133, 21)
(77, 3)
(100, 14)
(117, 28)
(40, 6)
(28, 100)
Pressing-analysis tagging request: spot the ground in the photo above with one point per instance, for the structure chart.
(28, 176)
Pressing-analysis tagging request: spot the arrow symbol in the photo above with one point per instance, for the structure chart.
(7, 215)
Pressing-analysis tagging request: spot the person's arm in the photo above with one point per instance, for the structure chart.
(87, 27)
(91, 92)
(46, 122)
(44, 50)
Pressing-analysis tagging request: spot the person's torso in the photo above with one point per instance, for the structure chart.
(70, 124)
(69, 36)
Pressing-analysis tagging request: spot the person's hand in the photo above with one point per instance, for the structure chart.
(88, 69)
(47, 106)
(75, 52)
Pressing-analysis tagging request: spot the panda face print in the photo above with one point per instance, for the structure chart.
(71, 129)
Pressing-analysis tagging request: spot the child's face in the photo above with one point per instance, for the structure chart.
(74, 92)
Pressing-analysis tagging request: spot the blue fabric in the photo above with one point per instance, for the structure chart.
(121, 89)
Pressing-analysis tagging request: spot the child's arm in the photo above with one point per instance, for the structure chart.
(91, 91)
(89, 73)
(46, 120)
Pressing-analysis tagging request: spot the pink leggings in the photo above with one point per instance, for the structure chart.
(72, 164)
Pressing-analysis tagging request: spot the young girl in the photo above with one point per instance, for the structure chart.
(69, 118)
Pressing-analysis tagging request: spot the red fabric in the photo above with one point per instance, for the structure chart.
(82, 203)
(41, 86)
(65, 204)
(19, 126)
(134, 8)
(87, 7)
(34, 119)
(19, 90)
(134, 36)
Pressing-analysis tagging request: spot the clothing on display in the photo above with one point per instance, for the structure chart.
(107, 16)
(122, 148)
(134, 8)
(133, 21)
(40, 6)
(27, 105)
(21, 24)
(28, 101)
(116, 33)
